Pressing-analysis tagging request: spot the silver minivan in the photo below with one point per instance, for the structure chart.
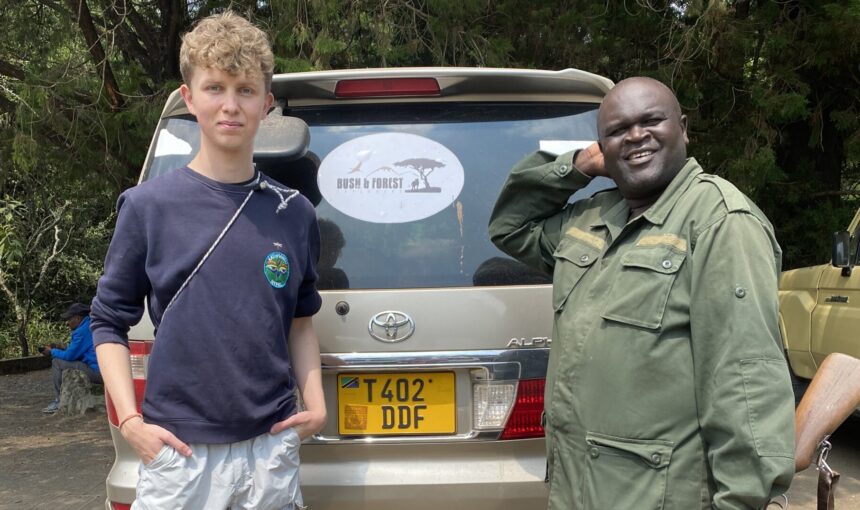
(434, 344)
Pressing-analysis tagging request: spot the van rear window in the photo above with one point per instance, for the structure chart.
(404, 192)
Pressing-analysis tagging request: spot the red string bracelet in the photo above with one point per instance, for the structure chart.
(133, 415)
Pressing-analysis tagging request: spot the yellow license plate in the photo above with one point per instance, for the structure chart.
(396, 403)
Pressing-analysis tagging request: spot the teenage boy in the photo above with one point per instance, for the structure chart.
(227, 262)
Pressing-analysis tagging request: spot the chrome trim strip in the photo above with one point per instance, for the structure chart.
(483, 435)
(532, 362)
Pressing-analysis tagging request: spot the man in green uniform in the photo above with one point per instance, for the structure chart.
(667, 387)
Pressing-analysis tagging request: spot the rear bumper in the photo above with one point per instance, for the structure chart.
(467, 476)
(362, 476)
(468, 470)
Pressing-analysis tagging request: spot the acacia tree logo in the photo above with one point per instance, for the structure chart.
(424, 167)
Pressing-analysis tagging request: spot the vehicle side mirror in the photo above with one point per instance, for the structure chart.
(281, 138)
(842, 252)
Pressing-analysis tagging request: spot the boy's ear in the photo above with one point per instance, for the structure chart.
(270, 98)
(185, 92)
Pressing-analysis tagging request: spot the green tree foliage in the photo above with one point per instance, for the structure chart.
(770, 87)
(51, 247)
(74, 117)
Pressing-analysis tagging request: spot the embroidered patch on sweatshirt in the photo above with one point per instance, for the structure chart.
(276, 268)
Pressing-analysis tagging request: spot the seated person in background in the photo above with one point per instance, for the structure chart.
(79, 355)
(331, 245)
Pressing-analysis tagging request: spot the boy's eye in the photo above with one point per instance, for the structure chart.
(213, 88)
(246, 91)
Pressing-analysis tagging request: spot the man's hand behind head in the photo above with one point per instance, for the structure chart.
(589, 161)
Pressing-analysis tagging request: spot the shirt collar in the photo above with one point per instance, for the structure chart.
(658, 212)
(615, 217)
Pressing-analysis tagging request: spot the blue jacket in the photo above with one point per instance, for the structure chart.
(80, 347)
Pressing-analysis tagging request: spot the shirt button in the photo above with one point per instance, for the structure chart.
(562, 168)
(594, 452)
(740, 292)
(656, 458)
(667, 264)
(583, 258)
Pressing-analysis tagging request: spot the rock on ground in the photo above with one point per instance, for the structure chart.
(78, 395)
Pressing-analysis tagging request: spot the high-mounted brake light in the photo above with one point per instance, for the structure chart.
(139, 353)
(387, 87)
(525, 419)
(119, 506)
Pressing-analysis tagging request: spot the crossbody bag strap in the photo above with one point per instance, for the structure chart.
(255, 186)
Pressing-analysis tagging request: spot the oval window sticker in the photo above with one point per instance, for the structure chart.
(390, 178)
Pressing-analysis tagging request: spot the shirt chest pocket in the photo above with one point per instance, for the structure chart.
(641, 289)
(572, 260)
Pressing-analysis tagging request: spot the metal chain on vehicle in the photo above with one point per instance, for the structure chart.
(824, 448)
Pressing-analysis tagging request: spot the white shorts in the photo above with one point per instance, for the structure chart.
(261, 473)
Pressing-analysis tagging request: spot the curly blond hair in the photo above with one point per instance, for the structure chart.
(230, 43)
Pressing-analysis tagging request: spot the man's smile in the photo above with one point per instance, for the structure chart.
(639, 156)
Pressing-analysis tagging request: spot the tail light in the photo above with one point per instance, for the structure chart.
(119, 506)
(139, 351)
(513, 406)
(525, 419)
(387, 87)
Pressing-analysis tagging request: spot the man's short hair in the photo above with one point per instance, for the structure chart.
(230, 43)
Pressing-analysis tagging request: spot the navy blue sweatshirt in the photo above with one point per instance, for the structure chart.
(220, 370)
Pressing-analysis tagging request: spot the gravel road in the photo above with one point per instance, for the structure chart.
(49, 461)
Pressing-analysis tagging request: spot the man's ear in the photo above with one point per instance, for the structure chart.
(185, 92)
(684, 128)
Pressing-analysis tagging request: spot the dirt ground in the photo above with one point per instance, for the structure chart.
(49, 461)
(61, 462)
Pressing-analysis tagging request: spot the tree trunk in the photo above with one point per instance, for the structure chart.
(22, 337)
(85, 21)
(172, 23)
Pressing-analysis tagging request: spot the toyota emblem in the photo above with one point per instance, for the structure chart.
(391, 327)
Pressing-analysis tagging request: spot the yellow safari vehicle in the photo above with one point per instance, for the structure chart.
(820, 307)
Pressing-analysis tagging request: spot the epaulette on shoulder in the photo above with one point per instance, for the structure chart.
(732, 197)
(605, 190)
(600, 199)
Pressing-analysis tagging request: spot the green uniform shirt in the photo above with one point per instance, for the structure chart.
(667, 387)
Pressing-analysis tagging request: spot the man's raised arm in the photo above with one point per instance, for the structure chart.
(528, 215)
